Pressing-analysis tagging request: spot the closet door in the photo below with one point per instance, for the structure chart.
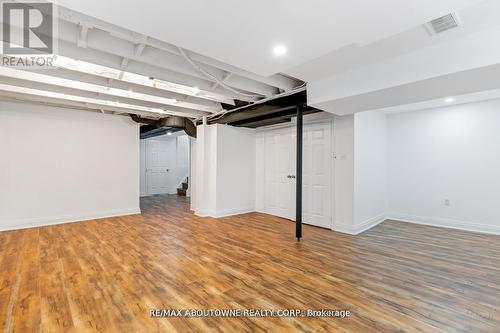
(317, 173)
(279, 187)
(280, 176)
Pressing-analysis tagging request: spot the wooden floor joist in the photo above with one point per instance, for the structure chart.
(106, 275)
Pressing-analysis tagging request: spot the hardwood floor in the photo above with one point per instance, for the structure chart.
(106, 275)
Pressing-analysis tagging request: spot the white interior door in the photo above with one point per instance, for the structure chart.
(280, 163)
(316, 175)
(279, 187)
(159, 157)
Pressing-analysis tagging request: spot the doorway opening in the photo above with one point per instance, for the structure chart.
(164, 164)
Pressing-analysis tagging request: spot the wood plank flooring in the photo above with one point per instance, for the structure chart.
(105, 275)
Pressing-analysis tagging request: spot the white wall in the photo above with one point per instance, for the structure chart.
(223, 165)
(370, 169)
(235, 170)
(343, 131)
(444, 154)
(60, 165)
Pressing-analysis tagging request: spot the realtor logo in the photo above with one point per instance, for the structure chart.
(28, 28)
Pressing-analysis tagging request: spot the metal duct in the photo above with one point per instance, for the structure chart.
(172, 122)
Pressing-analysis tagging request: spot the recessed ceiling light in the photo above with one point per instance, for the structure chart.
(279, 50)
(169, 133)
(449, 100)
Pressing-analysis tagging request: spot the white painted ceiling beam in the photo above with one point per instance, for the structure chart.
(125, 85)
(179, 83)
(277, 80)
(71, 91)
(29, 94)
(32, 99)
(112, 61)
(104, 42)
(65, 83)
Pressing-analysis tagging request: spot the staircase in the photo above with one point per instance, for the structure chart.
(183, 189)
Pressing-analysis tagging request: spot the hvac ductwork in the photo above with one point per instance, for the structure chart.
(171, 122)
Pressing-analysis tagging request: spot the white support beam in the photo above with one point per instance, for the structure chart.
(73, 93)
(34, 95)
(79, 85)
(174, 81)
(103, 42)
(179, 83)
(122, 83)
(58, 85)
(277, 80)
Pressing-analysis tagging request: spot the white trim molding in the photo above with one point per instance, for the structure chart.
(445, 223)
(223, 213)
(6, 225)
(360, 227)
(370, 223)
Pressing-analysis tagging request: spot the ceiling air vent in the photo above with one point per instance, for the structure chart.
(443, 24)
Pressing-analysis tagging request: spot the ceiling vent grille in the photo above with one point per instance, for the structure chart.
(443, 23)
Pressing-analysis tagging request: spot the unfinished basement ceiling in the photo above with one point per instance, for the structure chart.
(243, 33)
(175, 59)
(107, 68)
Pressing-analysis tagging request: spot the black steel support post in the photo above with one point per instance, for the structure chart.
(298, 197)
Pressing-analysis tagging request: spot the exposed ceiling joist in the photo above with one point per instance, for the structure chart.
(22, 93)
(277, 80)
(47, 82)
(133, 67)
(104, 67)
(73, 93)
(103, 43)
(128, 86)
(172, 81)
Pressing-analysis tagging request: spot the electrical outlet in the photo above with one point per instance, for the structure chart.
(447, 202)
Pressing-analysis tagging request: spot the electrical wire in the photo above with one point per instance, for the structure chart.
(213, 77)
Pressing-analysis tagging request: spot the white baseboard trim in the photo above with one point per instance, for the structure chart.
(232, 212)
(223, 213)
(370, 223)
(204, 213)
(53, 220)
(343, 228)
(360, 227)
(445, 223)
